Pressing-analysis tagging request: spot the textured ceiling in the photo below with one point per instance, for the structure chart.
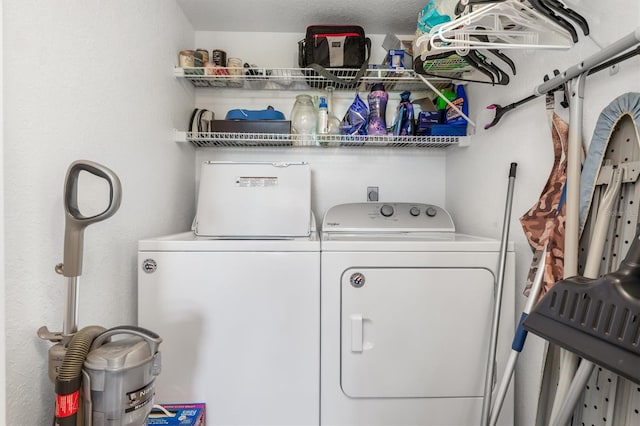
(376, 16)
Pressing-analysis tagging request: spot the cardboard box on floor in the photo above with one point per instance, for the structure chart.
(178, 414)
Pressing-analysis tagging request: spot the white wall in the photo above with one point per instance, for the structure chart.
(2, 258)
(85, 80)
(477, 177)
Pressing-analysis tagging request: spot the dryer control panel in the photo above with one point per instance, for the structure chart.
(387, 217)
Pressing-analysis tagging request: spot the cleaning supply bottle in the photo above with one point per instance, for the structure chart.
(452, 116)
(405, 120)
(323, 117)
(441, 104)
(377, 98)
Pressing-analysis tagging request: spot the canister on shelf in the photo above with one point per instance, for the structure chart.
(209, 68)
(235, 68)
(219, 57)
(198, 62)
(185, 59)
(205, 55)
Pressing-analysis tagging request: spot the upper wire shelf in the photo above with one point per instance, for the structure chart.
(397, 80)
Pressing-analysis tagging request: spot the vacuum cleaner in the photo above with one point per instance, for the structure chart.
(102, 377)
(597, 319)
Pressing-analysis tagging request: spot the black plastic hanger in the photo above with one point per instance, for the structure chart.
(542, 7)
(570, 13)
(501, 77)
(476, 63)
(476, 60)
(504, 58)
(463, 4)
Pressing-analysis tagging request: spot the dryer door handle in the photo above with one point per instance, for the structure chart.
(356, 333)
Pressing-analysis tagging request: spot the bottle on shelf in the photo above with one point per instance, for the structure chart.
(323, 117)
(405, 120)
(334, 122)
(304, 119)
(377, 98)
(442, 105)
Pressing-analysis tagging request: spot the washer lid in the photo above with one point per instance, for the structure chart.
(254, 199)
(386, 217)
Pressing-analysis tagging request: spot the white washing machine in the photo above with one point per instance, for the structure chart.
(240, 323)
(239, 316)
(406, 307)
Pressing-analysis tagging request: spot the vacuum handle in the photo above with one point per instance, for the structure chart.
(75, 222)
(152, 338)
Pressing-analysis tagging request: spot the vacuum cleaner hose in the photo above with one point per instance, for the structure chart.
(69, 377)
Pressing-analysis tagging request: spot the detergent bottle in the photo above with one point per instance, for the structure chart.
(452, 116)
(377, 98)
(405, 120)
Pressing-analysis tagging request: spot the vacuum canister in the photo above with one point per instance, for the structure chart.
(119, 378)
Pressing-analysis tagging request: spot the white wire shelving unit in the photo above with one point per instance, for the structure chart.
(393, 79)
(301, 79)
(238, 140)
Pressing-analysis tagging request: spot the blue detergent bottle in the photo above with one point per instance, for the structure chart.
(377, 98)
(405, 119)
(453, 117)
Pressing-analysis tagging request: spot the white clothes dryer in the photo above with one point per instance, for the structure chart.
(406, 307)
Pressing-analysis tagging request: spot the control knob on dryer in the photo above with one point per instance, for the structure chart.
(386, 210)
(414, 211)
(431, 211)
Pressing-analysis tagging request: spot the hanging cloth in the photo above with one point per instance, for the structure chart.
(543, 224)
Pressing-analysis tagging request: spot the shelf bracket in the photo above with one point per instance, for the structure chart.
(179, 136)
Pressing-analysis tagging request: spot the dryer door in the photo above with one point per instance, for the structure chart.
(415, 332)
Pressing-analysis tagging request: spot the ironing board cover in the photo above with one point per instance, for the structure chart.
(629, 103)
(543, 224)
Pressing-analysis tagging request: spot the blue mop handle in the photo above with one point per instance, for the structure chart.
(521, 334)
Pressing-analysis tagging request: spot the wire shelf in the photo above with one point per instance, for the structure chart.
(305, 78)
(223, 139)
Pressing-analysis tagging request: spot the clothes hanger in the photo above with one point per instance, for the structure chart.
(462, 5)
(419, 67)
(477, 63)
(483, 61)
(508, 24)
(543, 8)
(504, 58)
(571, 14)
(548, 7)
(479, 60)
